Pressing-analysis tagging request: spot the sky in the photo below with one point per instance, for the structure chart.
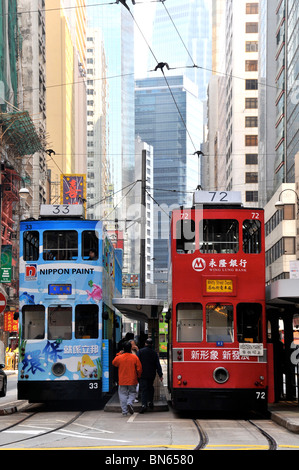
(144, 16)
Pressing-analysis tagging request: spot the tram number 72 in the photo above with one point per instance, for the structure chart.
(260, 395)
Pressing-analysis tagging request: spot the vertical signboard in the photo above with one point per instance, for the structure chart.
(72, 189)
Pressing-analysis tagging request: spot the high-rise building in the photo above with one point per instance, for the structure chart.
(237, 137)
(98, 174)
(266, 99)
(169, 118)
(117, 29)
(66, 89)
(187, 24)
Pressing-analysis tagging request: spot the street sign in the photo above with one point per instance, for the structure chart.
(2, 302)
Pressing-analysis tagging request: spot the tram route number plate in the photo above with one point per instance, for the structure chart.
(251, 349)
(219, 285)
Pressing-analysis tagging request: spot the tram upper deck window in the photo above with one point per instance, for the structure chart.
(251, 236)
(30, 246)
(189, 322)
(219, 236)
(220, 323)
(60, 245)
(90, 243)
(33, 322)
(60, 322)
(86, 321)
(249, 323)
(185, 236)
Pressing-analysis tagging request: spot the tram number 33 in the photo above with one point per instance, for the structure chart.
(260, 395)
(93, 385)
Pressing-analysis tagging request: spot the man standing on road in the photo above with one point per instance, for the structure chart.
(150, 365)
(129, 370)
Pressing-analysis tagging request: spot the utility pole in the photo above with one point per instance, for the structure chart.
(142, 225)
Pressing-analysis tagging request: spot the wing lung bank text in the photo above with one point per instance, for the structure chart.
(67, 271)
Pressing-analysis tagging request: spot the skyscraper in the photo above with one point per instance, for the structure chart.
(117, 29)
(170, 120)
(187, 25)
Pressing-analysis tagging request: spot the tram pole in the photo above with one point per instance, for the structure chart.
(142, 226)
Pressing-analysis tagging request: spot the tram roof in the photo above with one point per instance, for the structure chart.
(139, 309)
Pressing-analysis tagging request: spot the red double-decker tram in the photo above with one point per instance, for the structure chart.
(217, 355)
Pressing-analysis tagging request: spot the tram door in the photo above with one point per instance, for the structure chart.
(283, 334)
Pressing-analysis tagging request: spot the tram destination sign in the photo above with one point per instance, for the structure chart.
(61, 210)
(218, 197)
(251, 349)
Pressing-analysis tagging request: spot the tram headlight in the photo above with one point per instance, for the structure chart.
(58, 369)
(220, 375)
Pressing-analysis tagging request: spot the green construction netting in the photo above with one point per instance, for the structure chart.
(18, 130)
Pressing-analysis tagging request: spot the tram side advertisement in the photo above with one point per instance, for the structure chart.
(60, 356)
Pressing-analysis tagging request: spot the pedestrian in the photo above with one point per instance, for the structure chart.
(121, 343)
(150, 366)
(135, 350)
(129, 370)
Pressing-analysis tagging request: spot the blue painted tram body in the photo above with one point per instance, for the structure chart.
(68, 327)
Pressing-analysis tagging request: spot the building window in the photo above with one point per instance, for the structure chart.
(251, 159)
(251, 121)
(251, 177)
(289, 211)
(251, 196)
(289, 245)
(251, 103)
(252, 8)
(251, 84)
(251, 140)
(252, 28)
(251, 46)
(251, 65)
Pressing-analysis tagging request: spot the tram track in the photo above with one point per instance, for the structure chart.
(41, 434)
(204, 437)
(270, 439)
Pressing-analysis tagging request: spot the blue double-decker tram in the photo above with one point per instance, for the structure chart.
(68, 327)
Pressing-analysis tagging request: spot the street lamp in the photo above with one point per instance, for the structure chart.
(24, 193)
(279, 204)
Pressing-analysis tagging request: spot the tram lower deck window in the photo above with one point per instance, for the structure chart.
(86, 321)
(33, 322)
(60, 322)
(189, 322)
(249, 323)
(220, 323)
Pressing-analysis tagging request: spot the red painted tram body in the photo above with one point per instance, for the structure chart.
(217, 355)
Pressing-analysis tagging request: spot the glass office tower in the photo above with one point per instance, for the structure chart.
(117, 27)
(172, 123)
(182, 38)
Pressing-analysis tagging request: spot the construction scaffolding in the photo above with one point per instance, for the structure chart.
(19, 131)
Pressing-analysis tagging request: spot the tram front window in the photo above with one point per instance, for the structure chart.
(189, 322)
(60, 245)
(185, 236)
(252, 236)
(86, 321)
(60, 322)
(249, 323)
(31, 246)
(220, 323)
(219, 236)
(33, 322)
(90, 244)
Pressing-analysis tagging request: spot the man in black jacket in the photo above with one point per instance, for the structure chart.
(150, 365)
